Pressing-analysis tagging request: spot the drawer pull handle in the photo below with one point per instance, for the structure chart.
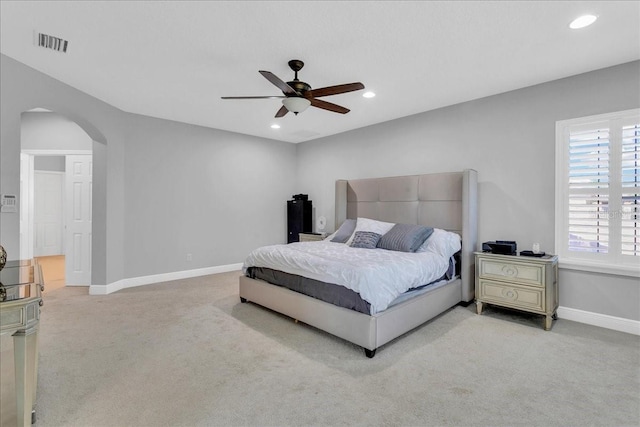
(509, 270)
(510, 293)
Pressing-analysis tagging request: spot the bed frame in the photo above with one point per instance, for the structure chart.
(442, 200)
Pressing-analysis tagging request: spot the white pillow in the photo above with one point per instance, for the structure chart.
(366, 224)
(441, 242)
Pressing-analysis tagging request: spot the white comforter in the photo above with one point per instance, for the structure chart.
(378, 275)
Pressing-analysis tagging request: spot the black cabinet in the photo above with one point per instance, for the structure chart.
(298, 219)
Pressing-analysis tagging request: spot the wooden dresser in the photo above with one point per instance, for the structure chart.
(519, 282)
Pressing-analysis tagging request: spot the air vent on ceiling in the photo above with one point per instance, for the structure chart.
(51, 42)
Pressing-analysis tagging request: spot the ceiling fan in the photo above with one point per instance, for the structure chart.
(298, 95)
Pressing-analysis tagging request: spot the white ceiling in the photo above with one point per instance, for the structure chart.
(174, 60)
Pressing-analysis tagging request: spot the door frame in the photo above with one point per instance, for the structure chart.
(27, 173)
(27, 246)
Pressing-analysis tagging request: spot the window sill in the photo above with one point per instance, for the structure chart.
(616, 270)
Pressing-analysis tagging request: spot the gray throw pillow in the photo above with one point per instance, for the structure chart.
(345, 231)
(405, 237)
(365, 239)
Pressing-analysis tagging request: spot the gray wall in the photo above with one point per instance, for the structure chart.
(191, 190)
(141, 165)
(43, 130)
(49, 163)
(510, 140)
(51, 131)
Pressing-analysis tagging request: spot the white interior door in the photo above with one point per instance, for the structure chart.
(78, 188)
(47, 215)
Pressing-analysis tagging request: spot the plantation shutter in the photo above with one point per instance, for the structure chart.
(598, 191)
(588, 223)
(630, 177)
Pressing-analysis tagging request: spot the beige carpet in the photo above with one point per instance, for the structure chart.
(188, 353)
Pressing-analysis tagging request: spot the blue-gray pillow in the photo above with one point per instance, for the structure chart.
(405, 237)
(345, 231)
(365, 239)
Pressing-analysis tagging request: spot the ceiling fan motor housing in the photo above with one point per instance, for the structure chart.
(299, 86)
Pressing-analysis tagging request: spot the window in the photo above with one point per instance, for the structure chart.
(597, 193)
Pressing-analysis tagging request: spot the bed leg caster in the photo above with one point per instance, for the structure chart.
(369, 353)
(243, 300)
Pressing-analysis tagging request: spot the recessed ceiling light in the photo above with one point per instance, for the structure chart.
(368, 94)
(275, 126)
(582, 21)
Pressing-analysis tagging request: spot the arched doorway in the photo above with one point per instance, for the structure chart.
(56, 193)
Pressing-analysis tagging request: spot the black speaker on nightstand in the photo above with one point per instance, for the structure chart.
(298, 217)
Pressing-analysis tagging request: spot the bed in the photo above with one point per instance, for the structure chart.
(446, 201)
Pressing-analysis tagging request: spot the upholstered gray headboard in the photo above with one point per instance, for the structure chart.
(441, 200)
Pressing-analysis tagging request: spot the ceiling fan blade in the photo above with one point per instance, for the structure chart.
(335, 90)
(282, 111)
(251, 97)
(288, 90)
(329, 106)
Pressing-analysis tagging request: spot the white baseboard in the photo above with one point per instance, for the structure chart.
(157, 278)
(602, 320)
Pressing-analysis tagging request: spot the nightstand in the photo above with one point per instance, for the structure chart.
(311, 237)
(520, 282)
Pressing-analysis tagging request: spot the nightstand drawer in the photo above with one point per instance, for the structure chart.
(309, 237)
(523, 297)
(514, 272)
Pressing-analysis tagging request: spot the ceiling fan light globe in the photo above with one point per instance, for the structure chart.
(296, 104)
